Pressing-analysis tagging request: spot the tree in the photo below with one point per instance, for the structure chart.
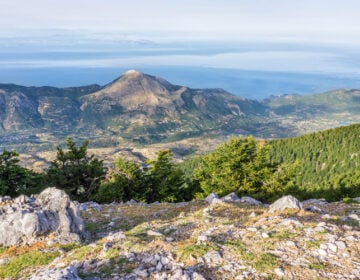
(241, 165)
(122, 183)
(76, 172)
(163, 180)
(15, 179)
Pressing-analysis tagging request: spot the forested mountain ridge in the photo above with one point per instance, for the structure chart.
(327, 161)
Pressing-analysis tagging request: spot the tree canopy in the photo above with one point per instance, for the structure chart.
(75, 171)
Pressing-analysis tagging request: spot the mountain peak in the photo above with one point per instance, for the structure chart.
(132, 72)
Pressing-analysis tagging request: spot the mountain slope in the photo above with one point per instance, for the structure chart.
(140, 108)
(328, 161)
(151, 108)
(316, 112)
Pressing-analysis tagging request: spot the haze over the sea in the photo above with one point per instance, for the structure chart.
(251, 48)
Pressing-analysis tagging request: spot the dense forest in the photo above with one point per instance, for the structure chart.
(327, 162)
(318, 165)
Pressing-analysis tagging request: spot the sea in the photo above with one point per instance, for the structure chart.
(251, 70)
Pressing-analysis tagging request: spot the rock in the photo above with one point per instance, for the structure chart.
(115, 237)
(89, 205)
(132, 202)
(340, 244)
(250, 200)
(22, 199)
(68, 273)
(357, 199)
(141, 272)
(202, 239)
(153, 233)
(314, 201)
(231, 197)
(286, 202)
(25, 220)
(252, 215)
(198, 276)
(332, 247)
(279, 272)
(322, 252)
(211, 197)
(315, 209)
(4, 198)
(213, 258)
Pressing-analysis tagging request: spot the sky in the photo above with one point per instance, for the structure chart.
(93, 41)
(321, 20)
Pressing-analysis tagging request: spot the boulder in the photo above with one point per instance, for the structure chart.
(51, 214)
(211, 197)
(231, 197)
(250, 200)
(286, 202)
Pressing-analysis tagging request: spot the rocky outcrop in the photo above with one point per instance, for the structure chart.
(50, 216)
(68, 273)
(286, 202)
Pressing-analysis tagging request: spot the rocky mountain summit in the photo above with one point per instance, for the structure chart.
(216, 238)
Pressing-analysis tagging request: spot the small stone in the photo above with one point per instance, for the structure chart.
(213, 258)
(202, 238)
(265, 235)
(111, 224)
(164, 260)
(322, 252)
(332, 247)
(325, 217)
(252, 215)
(323, 246)
(341, 245)
(252, 229)
(198, 276)
(141, 272)
(153, 233)
(279, 272)
(159, 267)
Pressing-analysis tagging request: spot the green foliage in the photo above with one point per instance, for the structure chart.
(14, 179)
(76, 172)
(242, 165)
(328, 162)
(18, 263)
(123, 182)
(161, 180)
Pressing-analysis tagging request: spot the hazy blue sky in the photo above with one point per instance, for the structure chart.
(321, 20)
(250, 47)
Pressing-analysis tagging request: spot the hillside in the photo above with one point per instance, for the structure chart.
(135, 108)
(316, 112)
(327, 161)
(138, 111)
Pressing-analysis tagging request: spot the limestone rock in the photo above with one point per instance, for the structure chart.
(68, 273)
(286, 202)
(231, 197)
(250, 200)
(26, 220)
(211, 197)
